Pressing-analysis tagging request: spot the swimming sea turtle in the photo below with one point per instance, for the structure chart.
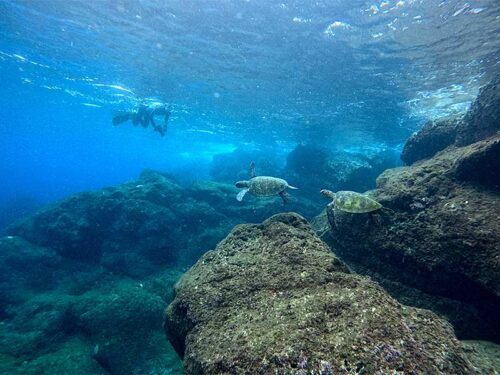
(263, 186)
(350, 201)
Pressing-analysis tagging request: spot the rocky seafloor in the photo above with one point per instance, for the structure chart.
(410, 289)
(84, 282)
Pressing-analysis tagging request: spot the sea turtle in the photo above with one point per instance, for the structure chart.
(350, 201)
(263, 186)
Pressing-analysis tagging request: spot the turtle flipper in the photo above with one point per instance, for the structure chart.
(285, 197)
(241, 194)
(252, 170)
(328, 194)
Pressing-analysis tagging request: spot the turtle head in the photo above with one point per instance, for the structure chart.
(328, 194)
(242, 184)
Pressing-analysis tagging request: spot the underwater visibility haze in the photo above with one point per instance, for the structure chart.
(135, 136)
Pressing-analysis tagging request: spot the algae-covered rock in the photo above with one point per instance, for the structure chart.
(117, 325)
(18, 276)
(480, 163)
(483, 118)
(432, 138)
(122, 321)
(481, 121)
(151, 220)
(273, 299)
(440, 232)
(73, 357)
(484, 356)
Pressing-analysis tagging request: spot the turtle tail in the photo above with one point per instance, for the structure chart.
(293, 187)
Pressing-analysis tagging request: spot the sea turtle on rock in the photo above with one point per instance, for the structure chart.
(352, 202)
(263, 186)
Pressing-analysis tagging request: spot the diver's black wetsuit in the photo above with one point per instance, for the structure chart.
(145, 116)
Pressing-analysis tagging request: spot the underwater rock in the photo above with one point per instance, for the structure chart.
(483, 118)
(75, 227)
(481, 163)
(93, 266)
(484, 356)
(116, 323)
(122, 322)
(72, 357)
(481, 121)
(25, 269)
(273, 299)
(312, 168)
(151, 220)
(432, 138)
(15, 209)
(440, 236)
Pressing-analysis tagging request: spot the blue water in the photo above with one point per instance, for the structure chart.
(312, 91)
(343, 74)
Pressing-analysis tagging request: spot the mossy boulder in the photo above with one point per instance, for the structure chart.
(273, 299)
(481, 121)
(480, 163)
(441, 230)
(434, 136)
(72, 357)
(483, 118)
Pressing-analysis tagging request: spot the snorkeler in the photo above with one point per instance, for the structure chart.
(145, 116)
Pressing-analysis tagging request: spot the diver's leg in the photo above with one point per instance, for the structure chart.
(136, 119)
(145, 121)
(157, 128)
(153, 123)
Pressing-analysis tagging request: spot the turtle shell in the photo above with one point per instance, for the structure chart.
(356, 203)
(263, 186)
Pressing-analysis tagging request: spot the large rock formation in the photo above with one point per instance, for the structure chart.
(147, 223)
(63, 316)
(480, 122)
(483, 118)
(273, 299)
(438, 246)
(432, 138)
(442, 232)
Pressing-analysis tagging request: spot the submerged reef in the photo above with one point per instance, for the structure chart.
(62, 316)
(436, 245)
(146, 223)
(313, 168)
(84, 282)
(273, 299)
